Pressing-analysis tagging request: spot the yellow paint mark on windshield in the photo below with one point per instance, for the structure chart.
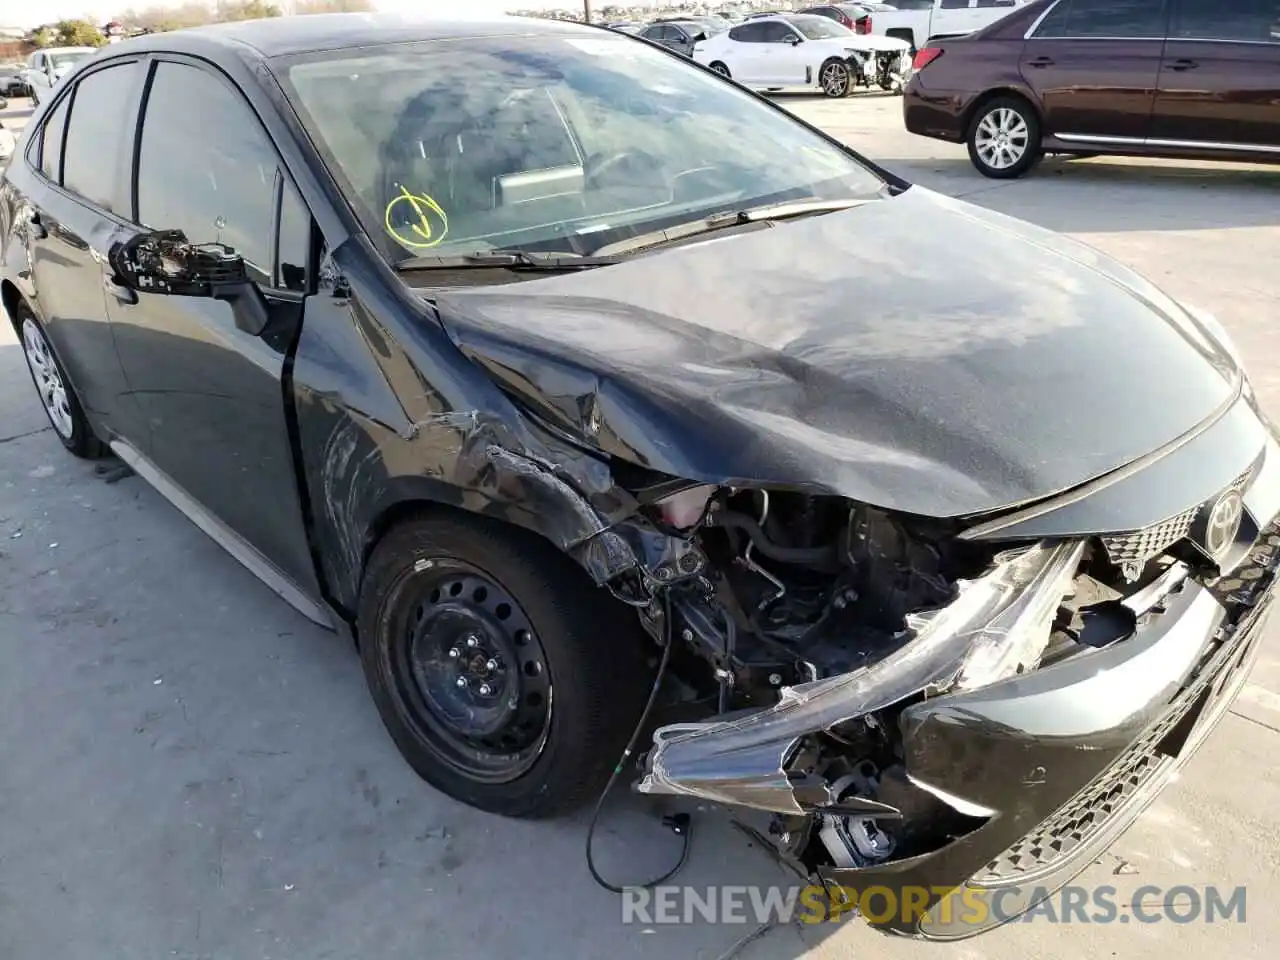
(416, 209)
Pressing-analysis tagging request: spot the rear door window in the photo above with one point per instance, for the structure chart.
(95, 133)
(1105, 19)
(1254, 21)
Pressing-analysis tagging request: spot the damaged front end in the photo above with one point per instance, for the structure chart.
(898, 706)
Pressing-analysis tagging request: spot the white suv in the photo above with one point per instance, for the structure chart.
(46, 67)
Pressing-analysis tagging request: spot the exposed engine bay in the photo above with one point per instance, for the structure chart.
(810, 622)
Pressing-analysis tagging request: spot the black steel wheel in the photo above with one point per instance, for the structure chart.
(506, 678)
(472, 671)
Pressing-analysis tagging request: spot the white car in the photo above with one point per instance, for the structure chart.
(805, 51)
(46, 67)
(8, 143)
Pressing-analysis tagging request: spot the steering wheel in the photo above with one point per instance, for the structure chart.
(636, 163)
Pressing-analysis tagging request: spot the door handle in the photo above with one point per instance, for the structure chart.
(121, 293)
(1183, 64)
(1040, 62)
(38, 231)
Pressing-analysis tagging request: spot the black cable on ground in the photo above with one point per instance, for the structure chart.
(679, 823)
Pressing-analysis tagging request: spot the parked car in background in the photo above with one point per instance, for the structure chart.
(8, 141)
(802, 51)
(12, 81)
(46, 67)
(855, 16)
(626, 26)
(918, 21)
(954, 537)
(677, 35)
(1184, 78)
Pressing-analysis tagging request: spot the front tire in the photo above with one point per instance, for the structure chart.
(507, 679)
(1004, 138)
(836, 79)
(57, 395)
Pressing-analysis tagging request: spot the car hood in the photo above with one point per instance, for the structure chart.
(915, 353)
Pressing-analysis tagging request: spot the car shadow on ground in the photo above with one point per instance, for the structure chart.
(1125, 194)
(252, 799)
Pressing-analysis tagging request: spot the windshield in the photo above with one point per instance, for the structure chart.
(60, 60)
(564, 143)
(818, 28)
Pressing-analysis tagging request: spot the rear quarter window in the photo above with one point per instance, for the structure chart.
(50, 147)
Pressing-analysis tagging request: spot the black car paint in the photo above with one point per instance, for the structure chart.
(388, 403)
(830, 354)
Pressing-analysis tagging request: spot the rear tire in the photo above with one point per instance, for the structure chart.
(57, 393)
(466, 628)
(721, 69)
(1004, 138)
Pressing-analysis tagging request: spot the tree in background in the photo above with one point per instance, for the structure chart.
(68, 33)
(333, 6)
(226, 10)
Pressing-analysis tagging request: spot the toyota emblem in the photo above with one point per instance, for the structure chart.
(1224, 523)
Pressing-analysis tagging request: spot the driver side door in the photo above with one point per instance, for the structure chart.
(786, 54)
(213, 394)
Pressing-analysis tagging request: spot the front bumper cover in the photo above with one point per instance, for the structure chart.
(1120, 720)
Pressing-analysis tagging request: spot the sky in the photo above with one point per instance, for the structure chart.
(29, 13)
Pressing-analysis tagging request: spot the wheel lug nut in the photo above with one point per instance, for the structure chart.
(491, 664)
(485, 690)
(472, 642)
(454, 653)
(461, 683)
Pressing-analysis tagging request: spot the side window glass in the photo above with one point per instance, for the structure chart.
(955, 4)
(1105, 18)
(95, 133)
(774, 32)
(293, 256)
(747, 33)
(51, 142)
(1055, 24)
(206, 167)
(1242, 20)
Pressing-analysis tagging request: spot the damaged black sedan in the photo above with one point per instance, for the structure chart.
(546, 361)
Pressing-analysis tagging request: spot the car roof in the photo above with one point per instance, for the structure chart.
(285, 36)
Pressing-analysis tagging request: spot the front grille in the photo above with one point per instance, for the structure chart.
(1149, 542)
(1133, 550)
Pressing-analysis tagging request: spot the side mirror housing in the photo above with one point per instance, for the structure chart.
(796, 41)
(164, 262)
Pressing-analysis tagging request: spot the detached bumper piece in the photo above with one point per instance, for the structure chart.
(1121, 719)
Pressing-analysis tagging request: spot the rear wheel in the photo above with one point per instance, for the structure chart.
(57, 396)
(505, 677)
(721, 69)
(836, 79)
(1004, 138)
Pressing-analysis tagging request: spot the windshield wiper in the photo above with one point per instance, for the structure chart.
(533, 260)
(731, 218)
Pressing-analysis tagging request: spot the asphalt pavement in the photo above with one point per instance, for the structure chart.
(190, 769)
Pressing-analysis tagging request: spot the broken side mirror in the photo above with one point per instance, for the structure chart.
(164, 262)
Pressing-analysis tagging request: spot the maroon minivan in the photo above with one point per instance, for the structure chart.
(1169, 78)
